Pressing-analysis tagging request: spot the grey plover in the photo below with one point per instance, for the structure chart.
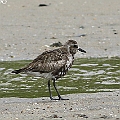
(53, 64)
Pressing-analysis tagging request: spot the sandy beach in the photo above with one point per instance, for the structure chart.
(29, 27)
(96, 106)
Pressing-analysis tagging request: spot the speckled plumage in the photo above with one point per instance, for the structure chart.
(52, 64)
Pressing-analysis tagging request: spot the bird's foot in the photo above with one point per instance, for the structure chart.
(59, 98)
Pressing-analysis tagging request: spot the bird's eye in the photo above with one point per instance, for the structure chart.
(75, 46)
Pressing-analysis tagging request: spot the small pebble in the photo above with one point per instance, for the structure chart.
(104, 117)
(55, 116)
(82, 35)
(81, 27)
(43, 5)
(53, 38)
(22, 111)
(81, 115)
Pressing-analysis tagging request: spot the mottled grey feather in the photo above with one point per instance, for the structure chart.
(48, 61)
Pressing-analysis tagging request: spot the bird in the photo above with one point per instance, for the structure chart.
(53, 64)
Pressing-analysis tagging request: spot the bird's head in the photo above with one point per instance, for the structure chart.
(73, 47)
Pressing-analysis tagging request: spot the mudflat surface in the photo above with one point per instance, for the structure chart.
(28, 29)
(95, 106)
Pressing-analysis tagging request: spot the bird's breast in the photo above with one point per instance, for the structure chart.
(69, 61)
(63, 70)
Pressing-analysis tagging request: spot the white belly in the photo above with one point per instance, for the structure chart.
(38, 74)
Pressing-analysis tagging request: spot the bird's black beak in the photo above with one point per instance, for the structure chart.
(81, 50)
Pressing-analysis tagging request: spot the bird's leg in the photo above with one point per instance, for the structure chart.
(56, 89)
(49, 90)
(60, 98)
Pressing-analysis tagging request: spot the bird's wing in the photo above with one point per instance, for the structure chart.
(47, 62)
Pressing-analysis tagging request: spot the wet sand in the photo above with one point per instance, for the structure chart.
(27, 30)
(95, 106)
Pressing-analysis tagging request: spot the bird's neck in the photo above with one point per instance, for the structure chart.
(65, 49)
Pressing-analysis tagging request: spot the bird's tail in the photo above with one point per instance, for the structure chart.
(17, 71)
